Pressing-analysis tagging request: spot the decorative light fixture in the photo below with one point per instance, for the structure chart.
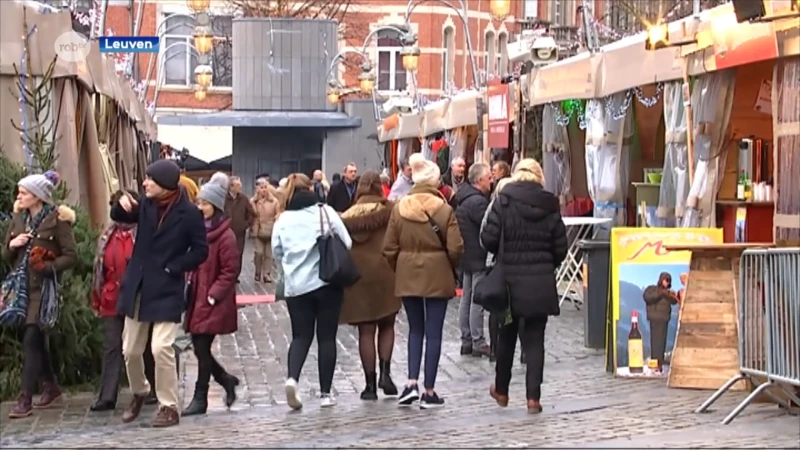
(333, 96)
(200, 93)
(410, 55)
(657, 36)
(366, 81)
(203, 75)
(203, 40)
(198, 5)
(500, 9)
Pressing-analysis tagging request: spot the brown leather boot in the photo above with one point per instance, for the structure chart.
(502, 400)
(51, 394)
(534, 407)
(134, 408)
(23, 408)
(166, 416)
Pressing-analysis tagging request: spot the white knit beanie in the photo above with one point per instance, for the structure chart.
(41, 185)
(424, 172)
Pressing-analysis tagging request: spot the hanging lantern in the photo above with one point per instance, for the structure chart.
(200, 93)
(203, 75)
(203, 40)
(198, 5)
(333, 97)
(366, 82)
(410, 57)
(500, 9)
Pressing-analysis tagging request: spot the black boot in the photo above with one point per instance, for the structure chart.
(522, 359)
(370, 392)
(385, 383)
(199, 403)
(229, 383)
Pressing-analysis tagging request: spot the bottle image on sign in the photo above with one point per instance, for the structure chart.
(635, 346)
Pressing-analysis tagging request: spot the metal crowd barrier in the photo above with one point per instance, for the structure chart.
(769, 327)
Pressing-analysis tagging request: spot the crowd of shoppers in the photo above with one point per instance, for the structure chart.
(164, 260)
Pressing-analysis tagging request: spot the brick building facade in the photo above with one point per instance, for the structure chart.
(440, 31)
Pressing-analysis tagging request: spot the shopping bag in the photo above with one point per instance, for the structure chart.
(336, 266)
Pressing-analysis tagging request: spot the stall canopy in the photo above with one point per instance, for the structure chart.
(460, 110)
(572, 78)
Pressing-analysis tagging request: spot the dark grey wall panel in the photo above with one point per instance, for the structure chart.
(281, 64)
(276, 151)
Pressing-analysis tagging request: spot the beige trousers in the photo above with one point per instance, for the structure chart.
(134, 342)
(262, 256)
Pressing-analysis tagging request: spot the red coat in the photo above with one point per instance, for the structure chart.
(215, 278)
(117, 253)
(386, 190)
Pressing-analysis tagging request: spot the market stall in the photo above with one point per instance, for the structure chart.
(82, 94)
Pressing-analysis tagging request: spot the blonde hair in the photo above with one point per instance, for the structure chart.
(528, 170)
(501, 184)
(295, 182)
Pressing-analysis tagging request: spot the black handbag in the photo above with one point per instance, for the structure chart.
(437, 230)
(336, 266)
(491, 291)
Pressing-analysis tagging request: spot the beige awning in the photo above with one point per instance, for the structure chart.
(572, 78)
(400, 127)
(463, 110)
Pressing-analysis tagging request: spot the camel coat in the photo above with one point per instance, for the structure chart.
(372, 297)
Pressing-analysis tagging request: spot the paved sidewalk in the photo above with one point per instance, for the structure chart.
(584, 407)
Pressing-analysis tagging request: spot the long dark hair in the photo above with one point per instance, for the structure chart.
(369, 184)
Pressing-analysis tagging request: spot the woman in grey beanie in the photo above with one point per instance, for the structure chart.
(39, 246)
(212, 306)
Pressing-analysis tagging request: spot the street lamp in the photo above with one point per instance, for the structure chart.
(203, 75)
(198, 5)
(200, 93)
(203, 40)
(410, 55)
(461, 11)
(333, 96)
(366, 81)
(500, 9)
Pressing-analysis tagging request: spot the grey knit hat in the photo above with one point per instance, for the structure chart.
(215, 190)
(41, 185)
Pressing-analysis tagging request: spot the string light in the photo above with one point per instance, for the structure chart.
(618, 113)
(648, 102)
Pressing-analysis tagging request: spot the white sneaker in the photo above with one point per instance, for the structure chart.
(327, 400)
(292, 396)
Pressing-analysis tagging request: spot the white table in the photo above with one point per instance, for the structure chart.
(569, 276)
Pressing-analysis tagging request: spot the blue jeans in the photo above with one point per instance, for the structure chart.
(425, 321)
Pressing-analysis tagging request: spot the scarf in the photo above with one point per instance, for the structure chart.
(351, 189)
(99, 257)
(165, 203)
(14, 291)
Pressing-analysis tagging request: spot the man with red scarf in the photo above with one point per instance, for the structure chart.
(170, 242)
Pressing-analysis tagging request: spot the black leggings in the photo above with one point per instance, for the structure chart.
(207, 365)
(317, 311)
(36, 366)
(532, 344)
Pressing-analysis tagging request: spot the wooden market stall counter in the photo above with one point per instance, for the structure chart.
(706, 353)
(757, 219)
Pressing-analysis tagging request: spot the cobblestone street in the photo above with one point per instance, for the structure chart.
(584, 407)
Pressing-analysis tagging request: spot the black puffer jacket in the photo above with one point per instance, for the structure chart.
(659, 300)
(472, 205)
(534, 245)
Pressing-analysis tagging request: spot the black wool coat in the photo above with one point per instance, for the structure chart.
(162, 255)
(472, 205)
(534, 245)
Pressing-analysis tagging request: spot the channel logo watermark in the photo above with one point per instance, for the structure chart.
(72, 47)
(129, 44)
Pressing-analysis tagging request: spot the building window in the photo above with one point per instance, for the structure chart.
(448, 55)
(491, 53)
(180, 58)
(502, 53)
(391, 75)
